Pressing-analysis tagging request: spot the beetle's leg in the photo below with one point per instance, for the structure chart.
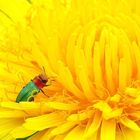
(44, 92)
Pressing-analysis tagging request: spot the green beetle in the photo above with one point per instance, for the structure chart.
(32, 88)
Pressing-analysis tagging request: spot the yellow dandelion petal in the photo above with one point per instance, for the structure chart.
(122, 73)
(63, 106)
(103, 106)
(80, 116)
(40, 135)
(113, 114)
(11, 105)
(115, 98)
(88, 50)
(43, 135)
(130, 124)
(7, 125)
(63, 128)
(137, 100)
(21, 132)
(107, 111)
(108, 69)
(12, 114)
(59, 137)
(21, 105)
(44, 121)
(93, 125)
(76, 133)
(130, 134)
(137, 55)
(134, 92)
(67, 80)
(135, 114)
(81, 71)
(12, 9)
(108, 130)
(70, 48)
(97, 67)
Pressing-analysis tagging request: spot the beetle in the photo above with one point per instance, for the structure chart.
(29, 91)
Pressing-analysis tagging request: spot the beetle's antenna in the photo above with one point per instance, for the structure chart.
(44, 72)
(51, 78)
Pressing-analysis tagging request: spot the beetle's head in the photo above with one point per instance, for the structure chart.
(43, 78)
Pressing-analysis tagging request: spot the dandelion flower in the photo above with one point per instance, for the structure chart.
(92, 48)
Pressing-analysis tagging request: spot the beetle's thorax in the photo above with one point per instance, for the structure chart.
(40, 81)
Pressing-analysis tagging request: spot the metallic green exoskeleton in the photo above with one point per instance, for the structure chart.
(28, 92)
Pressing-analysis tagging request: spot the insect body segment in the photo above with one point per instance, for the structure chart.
(32, 88)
